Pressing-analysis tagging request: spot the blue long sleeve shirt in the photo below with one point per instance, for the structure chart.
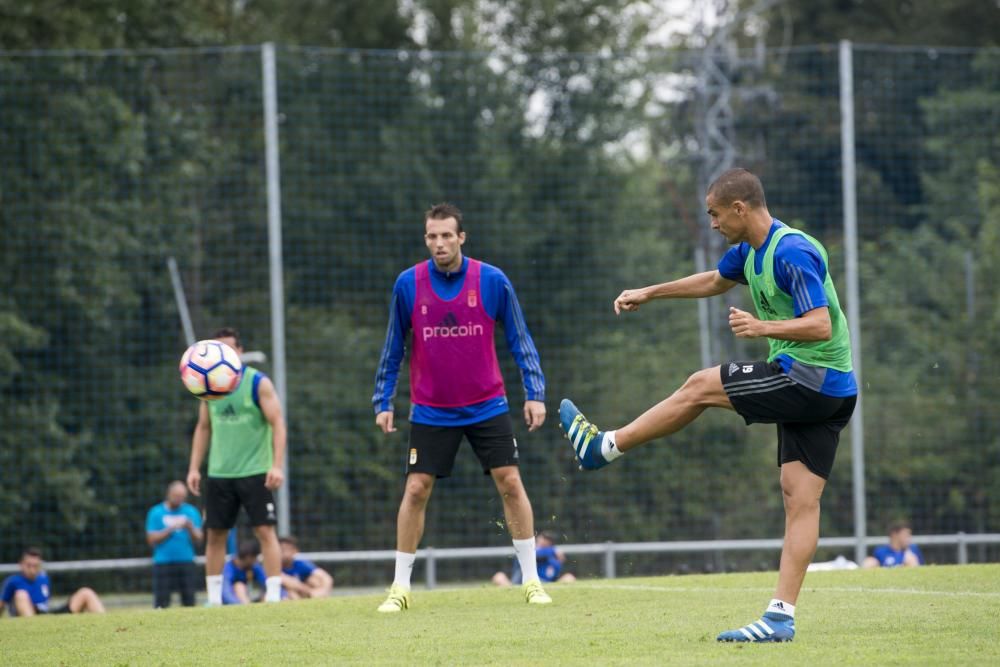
(500, 303)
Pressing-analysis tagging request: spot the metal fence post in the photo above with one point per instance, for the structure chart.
(963, 549)
(431, 572)
(273, 170)
(850, 199)
(609, 560)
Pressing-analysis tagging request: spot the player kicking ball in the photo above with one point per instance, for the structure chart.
(806, 386)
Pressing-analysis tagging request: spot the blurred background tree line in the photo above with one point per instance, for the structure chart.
(564, 130)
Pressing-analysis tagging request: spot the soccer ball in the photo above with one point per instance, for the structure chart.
(210, 369)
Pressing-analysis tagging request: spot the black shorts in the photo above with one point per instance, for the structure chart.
(433, 449)
(809, 423)
(225, 495)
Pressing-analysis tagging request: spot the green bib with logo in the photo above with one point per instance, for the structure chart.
(241, 435)
(774, 304)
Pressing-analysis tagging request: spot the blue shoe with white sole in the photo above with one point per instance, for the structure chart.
(770, 628)
(583, 435)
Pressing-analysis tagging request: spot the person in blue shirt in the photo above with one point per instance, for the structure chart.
(173, 529)
(301, 578)
(27, 592)
(549, 561)
(241, 573)
(900, 552)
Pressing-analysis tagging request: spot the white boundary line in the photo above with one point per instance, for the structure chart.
(839, 589)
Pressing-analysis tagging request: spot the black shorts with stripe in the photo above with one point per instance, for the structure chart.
(809, 423)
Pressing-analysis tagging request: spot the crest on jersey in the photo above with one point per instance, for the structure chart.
(472, 299)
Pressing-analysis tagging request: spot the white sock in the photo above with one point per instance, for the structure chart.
(525, 550)
(213, 584)
(609, 450)
(272, 589)
(779, 607)
(404, 568)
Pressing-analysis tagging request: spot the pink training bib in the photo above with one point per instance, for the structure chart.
(454, 361)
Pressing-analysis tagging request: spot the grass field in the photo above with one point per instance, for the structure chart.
(926, 616)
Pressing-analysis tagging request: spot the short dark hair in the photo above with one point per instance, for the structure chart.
(738, 184)
(549, 535)
(289, 539)
(31, 551)
(228, 332)
(443, 211)
(248, 548)
(898, 525)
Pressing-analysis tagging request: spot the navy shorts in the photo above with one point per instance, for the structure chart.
(809, 423)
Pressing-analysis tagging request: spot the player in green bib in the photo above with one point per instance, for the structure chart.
(806, 386)
(244, 435)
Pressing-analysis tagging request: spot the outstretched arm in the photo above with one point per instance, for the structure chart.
(698, 285)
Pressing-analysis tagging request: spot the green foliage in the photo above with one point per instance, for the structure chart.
(965, 23)
(569, 148)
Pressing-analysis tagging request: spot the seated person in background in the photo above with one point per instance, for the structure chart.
(240, 574)
(301, 578)
(549, 559)
(899, 552)
(27, 593)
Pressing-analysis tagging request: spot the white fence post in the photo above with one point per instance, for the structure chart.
(963, 549)
(609, 560)
(273, 172)
(431, 567)
(850, 198)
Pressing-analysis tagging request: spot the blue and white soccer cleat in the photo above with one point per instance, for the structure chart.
(770, 628)
(583, 435)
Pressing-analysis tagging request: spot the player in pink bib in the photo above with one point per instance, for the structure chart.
(454, 362)
(449, 306)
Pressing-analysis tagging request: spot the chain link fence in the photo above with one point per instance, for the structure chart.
(578, 176)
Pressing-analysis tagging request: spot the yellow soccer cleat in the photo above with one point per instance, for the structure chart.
(398, 600)
(535, 594)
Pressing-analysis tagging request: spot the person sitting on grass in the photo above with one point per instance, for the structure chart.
(900, 552)
(240, 574)
(548, 559)
(27, 592)
(302, 578)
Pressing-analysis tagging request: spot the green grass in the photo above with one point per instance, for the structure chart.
(925, 616)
